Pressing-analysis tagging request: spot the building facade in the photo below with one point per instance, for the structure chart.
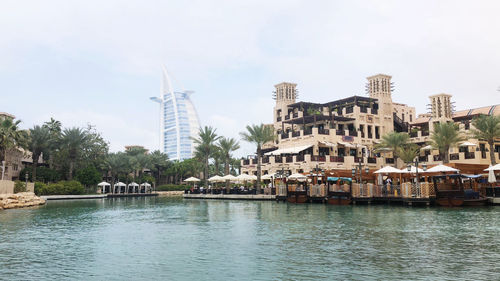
(178, 121)
(343, 133)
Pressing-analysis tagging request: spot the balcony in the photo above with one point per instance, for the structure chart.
(389, 160)
(287, 117)
(278, 159)
(339, 159)
(289, 159)
(307, 132)
(284, 135)
(254, 161)
(323, 131)
(470, 155)
(295, 115)
(318, 158)
(299, 158)
(246, 162)
(413, 134)
(278, 119)
(437, 158)
(349, 110)
(340, 133)
(295, 134)
(363, 109)
(372, 160)
(353, 133)
(454, 156)
(265, 159)
(374, 111)
(425, 133)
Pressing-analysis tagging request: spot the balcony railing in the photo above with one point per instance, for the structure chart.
(372, 160)
(470, 155)
(340, 133)
(300, 158)
(307, 132)
(363, 109)
(295, 134)
(349, 110)
(289, 159)
(454, 156)
(278, 159)
(337, 159)
(389, 160)
(318, 158)
(323, 131)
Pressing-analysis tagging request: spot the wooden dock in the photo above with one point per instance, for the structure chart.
(230, 196)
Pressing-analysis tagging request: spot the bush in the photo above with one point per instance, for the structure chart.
(43, 174)
(60, 188)
(173, 187)
(19, 186)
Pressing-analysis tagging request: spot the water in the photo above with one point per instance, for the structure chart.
(176, 239)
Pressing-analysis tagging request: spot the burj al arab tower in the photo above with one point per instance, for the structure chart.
(178, 120)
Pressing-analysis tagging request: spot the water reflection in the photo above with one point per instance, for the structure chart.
(171, 238)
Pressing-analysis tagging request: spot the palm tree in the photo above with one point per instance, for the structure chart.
(54, 128)
(487, 127)
(39, 142)
(226, 147)
(10, 137)
(393, 141)
(258, 135)
(408, 152)
(205, 147)
(444, 136)
(72, 141)
(159, 161)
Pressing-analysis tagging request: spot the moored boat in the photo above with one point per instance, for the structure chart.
(450, 191)
(339, 191)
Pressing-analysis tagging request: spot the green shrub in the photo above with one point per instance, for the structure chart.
(19, 186)
(59, 188)
(43, 174)
(172, 187)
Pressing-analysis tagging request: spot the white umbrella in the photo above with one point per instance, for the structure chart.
(192, 179)
(427, 147)
(145, 184)
(467, 143)
(120, 184)
(133, 184)
(388, 170)
(299, 177)
(413, 170)
(493, 168)
(103, 184)
(215, 179)
(228, 178)
(244, 177)
(267, 177)
(442, 169)
(491, 176)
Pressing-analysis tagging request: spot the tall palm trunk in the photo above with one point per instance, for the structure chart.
(492, 153)
(226, 171)
(35, 165)
(446, 156)
(71, 165)
(259, 156)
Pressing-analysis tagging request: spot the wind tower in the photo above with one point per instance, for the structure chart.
(380, 87)
(285, 93)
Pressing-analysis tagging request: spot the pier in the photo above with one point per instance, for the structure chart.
(230, 196)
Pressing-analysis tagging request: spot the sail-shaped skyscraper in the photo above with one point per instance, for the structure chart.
(178, 120)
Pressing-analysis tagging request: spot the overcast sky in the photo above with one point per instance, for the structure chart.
(99, 62)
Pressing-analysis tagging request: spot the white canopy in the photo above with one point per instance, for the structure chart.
(228, 178)
(145, 184)
(103, 184)
(327, 143)
(493, 168)
(133, 184)
(192, 179)
(427, 147)
(267, 177)
(442, 169)
(467, 143)
(491, 175)
(346, 144)
(215, 178)
(299, 177)
(388, 170)
(413, 170)
(289, 150)
(120, 184)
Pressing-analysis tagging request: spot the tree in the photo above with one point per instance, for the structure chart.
(408, 152)
(116, 163)
(487, 127)
(393, 141)
(226, 147)
(73, 140)
(159, 161)
(38, 143)
(258, 135)
(88, 176)
(10, 136)
(205, 147)
(55, 131)
(444, 136)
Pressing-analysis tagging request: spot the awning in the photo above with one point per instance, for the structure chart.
(289, 150)
(327, 143)
(338, 178)
(427, 147)
(346, 144)
(467, 143)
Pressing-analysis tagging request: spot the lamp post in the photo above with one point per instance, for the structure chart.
(417, 180)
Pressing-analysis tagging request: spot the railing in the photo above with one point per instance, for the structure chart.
(300, 158)
(374, 111)
(278, 159)
(357, 159)
(287, 117)
(389, 160)
(307, 132)
(340, 133)
(289, 159)
(363, 109)
(413, 134)
(284, 136)
(295, 115)
(454, 156)
(353, 133)
(372, 160)
(339, 159)
(425, 133)
(318, 158)
(323, 131)
(265, 159)
(470, 155)
(349, 110)
(254, 161)
(295, 134)
(246, 162)
(420, 190)
(278, 119)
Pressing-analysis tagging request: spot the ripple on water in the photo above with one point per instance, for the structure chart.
(168, 238)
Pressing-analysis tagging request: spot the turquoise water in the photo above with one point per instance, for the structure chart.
(176, 239)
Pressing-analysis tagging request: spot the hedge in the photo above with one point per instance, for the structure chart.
(59, 188)
(173, 187)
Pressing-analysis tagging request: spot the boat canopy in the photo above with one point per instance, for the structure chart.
(339, 178)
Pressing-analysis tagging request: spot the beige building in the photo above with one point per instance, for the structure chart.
(342, 133)
(333, 135)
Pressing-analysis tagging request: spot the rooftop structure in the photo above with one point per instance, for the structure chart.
(178, 121)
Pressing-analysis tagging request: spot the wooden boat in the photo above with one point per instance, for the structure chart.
(296, 197)
(450, 192)
(339, 197)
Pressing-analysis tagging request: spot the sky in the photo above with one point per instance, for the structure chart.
(98, 62)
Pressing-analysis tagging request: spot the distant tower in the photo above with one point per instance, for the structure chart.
(441, 107)
(285, 94)
(178, 121)
(380, 87)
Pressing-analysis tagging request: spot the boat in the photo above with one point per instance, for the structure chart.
(339, 191)
(450, 191)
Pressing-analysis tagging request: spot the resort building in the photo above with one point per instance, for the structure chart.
(343, 133)
(178, 121)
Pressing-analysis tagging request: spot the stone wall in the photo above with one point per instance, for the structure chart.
(20, 200)
(6, 187)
